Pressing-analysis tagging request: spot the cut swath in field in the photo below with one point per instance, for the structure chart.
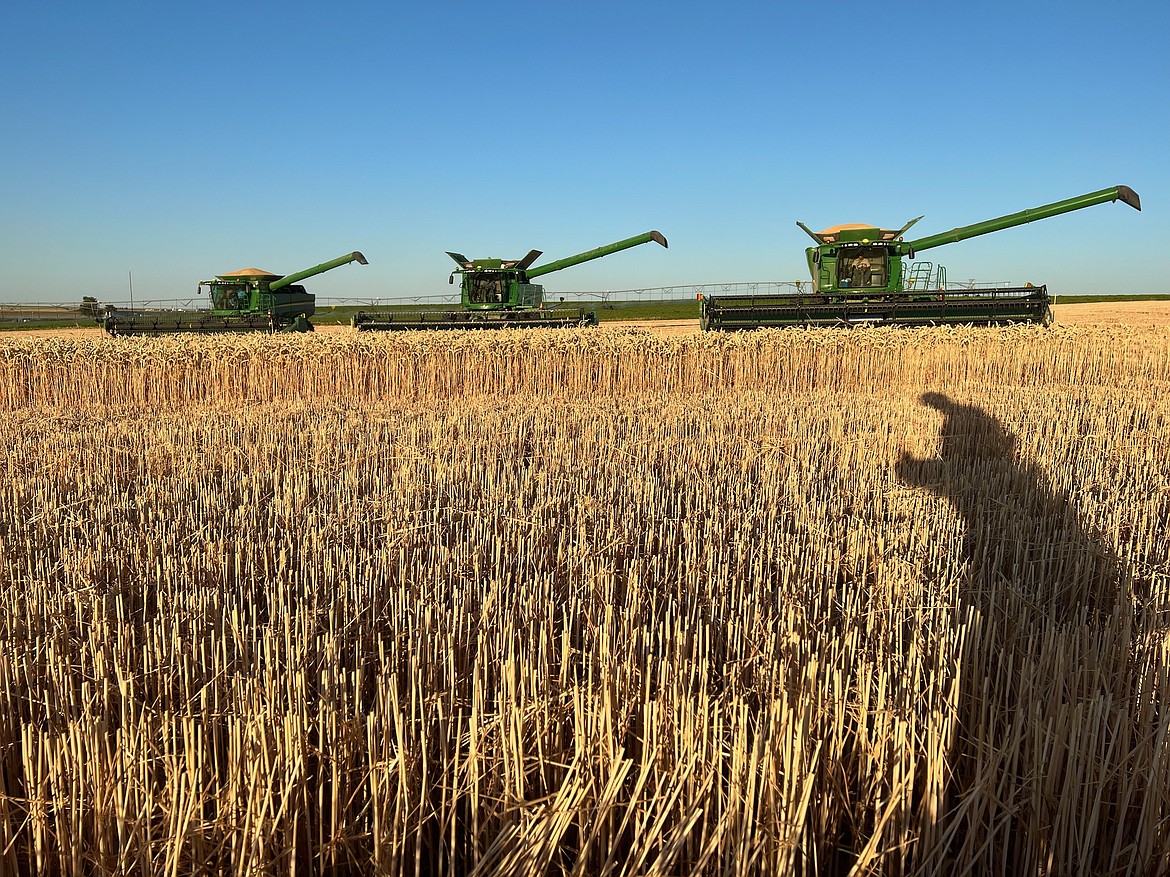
(581, 603)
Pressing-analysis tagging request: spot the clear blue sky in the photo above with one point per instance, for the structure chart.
(181, 140)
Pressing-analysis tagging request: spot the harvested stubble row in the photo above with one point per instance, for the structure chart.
(788, 602)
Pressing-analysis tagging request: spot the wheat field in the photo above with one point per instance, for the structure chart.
(587, 602)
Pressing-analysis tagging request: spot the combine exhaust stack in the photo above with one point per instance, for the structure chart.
(858, 276)
(499, 294)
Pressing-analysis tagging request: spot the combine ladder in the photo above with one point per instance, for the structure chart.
(924, 275)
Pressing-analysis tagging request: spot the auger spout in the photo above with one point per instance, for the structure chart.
(1115, 193)
(597, 253)
(355, 256)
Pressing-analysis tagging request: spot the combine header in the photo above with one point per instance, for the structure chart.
(858, 276)
(249, 300)
(497, 294)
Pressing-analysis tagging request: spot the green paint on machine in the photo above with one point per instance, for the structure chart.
(859, 276)
(498, 293)
(248, 300)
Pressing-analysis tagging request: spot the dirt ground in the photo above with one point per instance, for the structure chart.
(1134, 313)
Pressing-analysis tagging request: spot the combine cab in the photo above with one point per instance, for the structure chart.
(858, 276)
(249, 300)
(498, 293)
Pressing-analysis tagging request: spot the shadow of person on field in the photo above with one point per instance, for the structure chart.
(1024, 545)
(1048, 612)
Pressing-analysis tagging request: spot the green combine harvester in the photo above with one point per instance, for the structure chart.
(498, 293)
(249, 300)
(858, 277)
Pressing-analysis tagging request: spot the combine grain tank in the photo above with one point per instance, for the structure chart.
(249, 300)
(498, 293)
(858, 276)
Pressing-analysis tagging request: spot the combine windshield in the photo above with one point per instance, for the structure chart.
(229, 296)
(863, 268)
(487, 287)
